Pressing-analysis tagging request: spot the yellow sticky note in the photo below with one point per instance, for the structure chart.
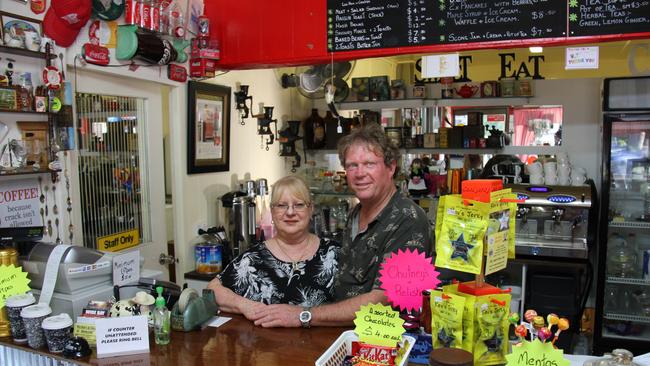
(536, 353)
(497, 252)
(13, 281)
(87, 331)
(379, 325)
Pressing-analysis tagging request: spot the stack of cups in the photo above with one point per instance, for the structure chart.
(33, 317)
(563, 169)
(57, 329)
(536, 172)
(550, 173)
(15, 304)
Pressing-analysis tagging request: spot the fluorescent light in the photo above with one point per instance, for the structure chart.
(536, 49)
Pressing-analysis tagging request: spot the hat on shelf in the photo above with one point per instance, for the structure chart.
(143, 298)
(64, 20)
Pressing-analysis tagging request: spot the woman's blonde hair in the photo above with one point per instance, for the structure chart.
(292, 184)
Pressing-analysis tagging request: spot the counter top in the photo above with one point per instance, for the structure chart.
(237, 342)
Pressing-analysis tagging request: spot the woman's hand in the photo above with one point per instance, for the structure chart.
(278, 315)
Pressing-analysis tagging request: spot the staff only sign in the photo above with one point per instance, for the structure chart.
(19, 203)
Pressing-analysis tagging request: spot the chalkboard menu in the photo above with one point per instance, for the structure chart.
(366, 24)
(600, 17)
(463, 21)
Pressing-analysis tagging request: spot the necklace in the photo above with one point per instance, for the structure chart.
(294, 263)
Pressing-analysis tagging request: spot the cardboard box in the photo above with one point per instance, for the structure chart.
(480, 189)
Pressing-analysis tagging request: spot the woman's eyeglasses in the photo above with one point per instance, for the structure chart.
(297, 207)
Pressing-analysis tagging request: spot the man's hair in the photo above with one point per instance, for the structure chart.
(372, 136)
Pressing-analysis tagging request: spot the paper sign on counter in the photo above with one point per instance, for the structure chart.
(405, 275)
(85, 330)
(497, 252)
(536, 353)
(13, 281)
(122, 336)
(218, 321)
(378, 324)
(126, 268)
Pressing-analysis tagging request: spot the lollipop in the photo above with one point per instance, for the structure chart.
(521, 332)
(538, 322)
(529, 315)
(562, 324)
(543, 334)
(552, 319)
(513, 318)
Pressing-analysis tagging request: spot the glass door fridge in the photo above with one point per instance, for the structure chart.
(623, 286)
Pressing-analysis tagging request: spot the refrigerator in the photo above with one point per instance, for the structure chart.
(623, 282)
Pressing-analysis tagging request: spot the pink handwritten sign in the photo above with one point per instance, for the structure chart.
(404, 275)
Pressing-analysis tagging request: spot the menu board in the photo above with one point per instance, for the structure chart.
(600, 17)
(463, 21)
(366, 24)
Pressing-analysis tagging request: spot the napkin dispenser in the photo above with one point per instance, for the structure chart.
(192, 311)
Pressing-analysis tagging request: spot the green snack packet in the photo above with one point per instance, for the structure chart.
(469, 312)
(491, 328)
(446, 319)
(459, 244)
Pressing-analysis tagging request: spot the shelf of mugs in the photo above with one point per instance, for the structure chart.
(629, 225)
(433, 102)
(628, 281)
(26, 171)
(627, 317)
(25, 52)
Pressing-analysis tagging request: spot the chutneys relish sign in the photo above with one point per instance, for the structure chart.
(20, 204)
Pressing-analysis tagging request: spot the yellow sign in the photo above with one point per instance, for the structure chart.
(536, 353)
(87, 331)
(497, 252)
(117, 242)
(379, 325)
(13, 281)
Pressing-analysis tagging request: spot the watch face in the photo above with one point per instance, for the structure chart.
(305, 316)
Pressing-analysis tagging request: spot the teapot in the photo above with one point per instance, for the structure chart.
(467, 90)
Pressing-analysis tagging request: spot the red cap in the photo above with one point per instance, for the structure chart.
(64, 20)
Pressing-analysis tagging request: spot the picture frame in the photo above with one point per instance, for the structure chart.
(8, 98)
(20, 23)
(208, 133)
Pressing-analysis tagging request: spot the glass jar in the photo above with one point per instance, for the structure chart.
(618, 357)
(621, 257)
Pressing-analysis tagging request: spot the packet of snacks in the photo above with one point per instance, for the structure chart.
(491, 329)
(446, 319)
(459, 243)
(503, 212)
(370, 354)
(468, 316)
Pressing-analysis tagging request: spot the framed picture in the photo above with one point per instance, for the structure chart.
(16, 26)
(208, 133)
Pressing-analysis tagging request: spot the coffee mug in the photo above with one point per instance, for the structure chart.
(550, 167)
(578, 179)
(562, 157)
(32, 41)
(536, 179)
(551, 180)
(535, 168)
(564, 180)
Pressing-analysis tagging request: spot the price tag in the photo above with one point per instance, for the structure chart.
(536, 353)
(379, 325)
(405, 275)
(126, 268)
(13, 281)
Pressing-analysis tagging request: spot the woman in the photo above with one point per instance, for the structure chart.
(294, 267)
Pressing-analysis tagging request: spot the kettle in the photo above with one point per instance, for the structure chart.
(467, 90)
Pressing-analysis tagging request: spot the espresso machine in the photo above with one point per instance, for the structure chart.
(555, 241)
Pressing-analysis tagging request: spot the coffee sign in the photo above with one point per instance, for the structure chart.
(19, 203)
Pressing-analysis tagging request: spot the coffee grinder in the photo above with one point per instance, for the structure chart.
(264, 126)
(288, 138)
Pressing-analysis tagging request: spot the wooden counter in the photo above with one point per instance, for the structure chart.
(238, 342)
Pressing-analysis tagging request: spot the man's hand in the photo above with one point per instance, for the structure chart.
(278, 315)
(250, 308)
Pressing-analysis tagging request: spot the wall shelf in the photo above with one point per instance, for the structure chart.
(630, 225)
(434, 102)
(2, 110)
(628, 281)
(25, 171)
(627, 317)
(25, 52)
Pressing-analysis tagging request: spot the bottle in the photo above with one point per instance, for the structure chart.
(26, 92)
(621, 257)
(161, 319)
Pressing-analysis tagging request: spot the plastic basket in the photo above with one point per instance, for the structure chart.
(342, 347)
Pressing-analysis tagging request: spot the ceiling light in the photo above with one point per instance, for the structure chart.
(536, 49)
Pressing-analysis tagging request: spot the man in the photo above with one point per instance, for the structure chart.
(383, 222)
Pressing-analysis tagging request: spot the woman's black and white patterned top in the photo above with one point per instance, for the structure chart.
(259, 276)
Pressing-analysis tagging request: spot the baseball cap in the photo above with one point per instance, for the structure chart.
(64, 20)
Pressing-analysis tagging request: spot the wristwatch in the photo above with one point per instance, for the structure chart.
(305, 318)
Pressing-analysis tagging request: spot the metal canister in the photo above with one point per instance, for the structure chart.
(8, 256)
(425, 317)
